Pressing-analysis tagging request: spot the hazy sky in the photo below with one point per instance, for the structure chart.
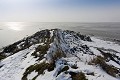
(60, 10)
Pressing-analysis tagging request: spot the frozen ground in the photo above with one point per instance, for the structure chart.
(74, 49)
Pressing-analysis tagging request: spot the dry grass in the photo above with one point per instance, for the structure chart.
(59, 54)
(40, 68)
(2, 57)
(111, 70)
(42, 50)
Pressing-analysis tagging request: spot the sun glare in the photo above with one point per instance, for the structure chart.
(15, 26)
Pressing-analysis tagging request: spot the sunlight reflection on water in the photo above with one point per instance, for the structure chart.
(11, 32)
(15, 26)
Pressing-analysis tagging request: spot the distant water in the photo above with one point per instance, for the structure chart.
(14, 31)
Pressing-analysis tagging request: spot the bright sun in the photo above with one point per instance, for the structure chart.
(15, 26)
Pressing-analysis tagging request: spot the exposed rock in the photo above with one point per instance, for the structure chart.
(60, 55)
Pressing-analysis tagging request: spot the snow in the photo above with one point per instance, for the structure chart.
(94, 50)
(103, 44)
(46, 76)
(99, 73)
(51, 33)
(51, 52)
(15, 65)
(32, 75)
(113, 63)
(64, 76)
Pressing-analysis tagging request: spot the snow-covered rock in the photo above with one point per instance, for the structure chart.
(60, 55)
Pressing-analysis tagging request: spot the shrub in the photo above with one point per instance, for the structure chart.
(78, 76)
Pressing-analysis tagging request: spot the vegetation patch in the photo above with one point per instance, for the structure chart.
(78, 76)
(40, 51)
(2, 56)
(62, 70)
(43, 35)
(111, 70)
(58, 54)
(40, 68)
(109, 56)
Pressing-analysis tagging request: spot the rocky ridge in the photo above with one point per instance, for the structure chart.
(60, 55)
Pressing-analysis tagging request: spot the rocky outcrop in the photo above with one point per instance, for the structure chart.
(60, 55)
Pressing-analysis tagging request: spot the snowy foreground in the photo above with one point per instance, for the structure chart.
(60, 55)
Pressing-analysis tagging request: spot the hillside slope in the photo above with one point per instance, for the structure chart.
(60, 55)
